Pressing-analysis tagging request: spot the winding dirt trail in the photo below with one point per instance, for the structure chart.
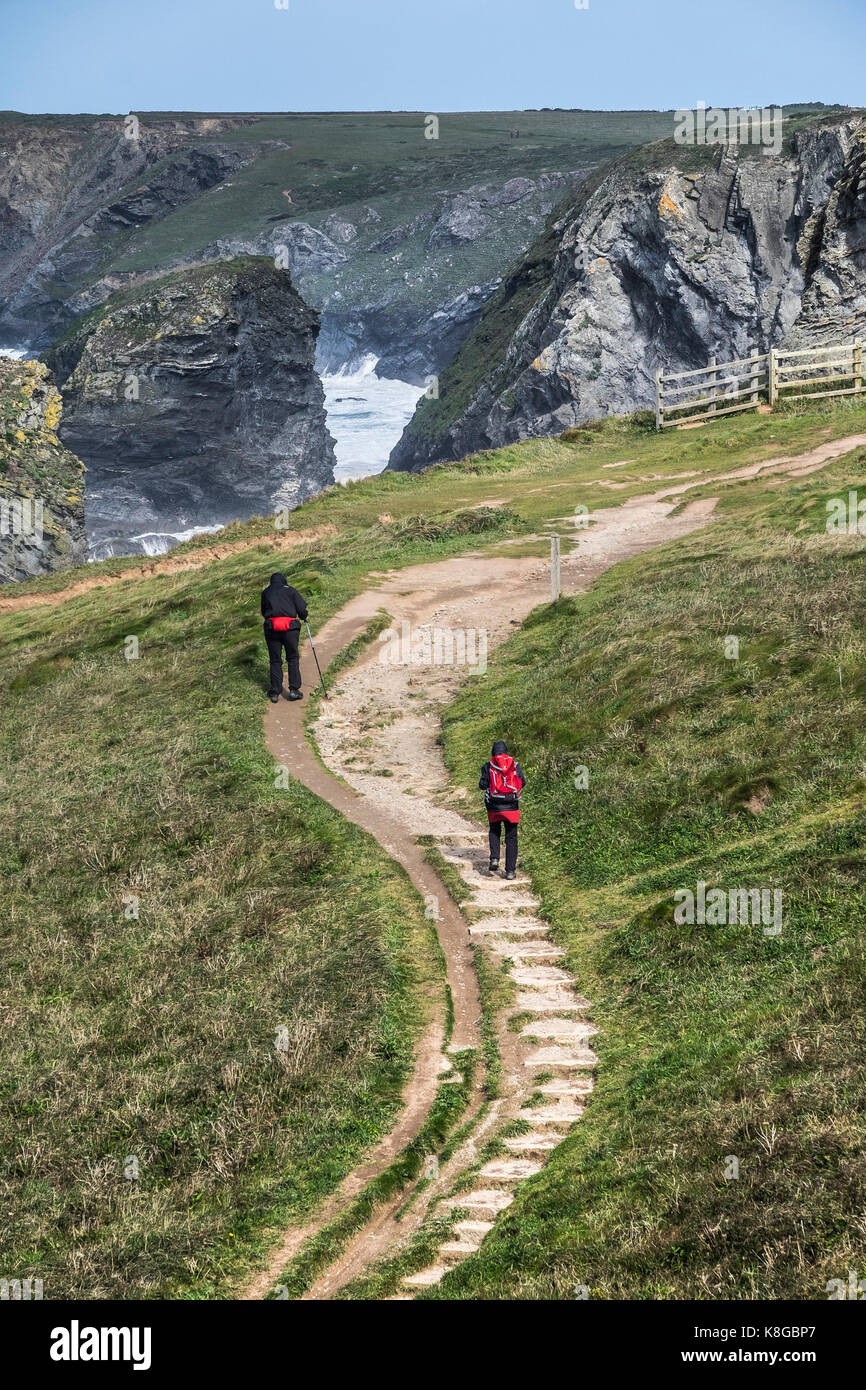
(381, 723)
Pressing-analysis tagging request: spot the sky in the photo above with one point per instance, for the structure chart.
(427, 55)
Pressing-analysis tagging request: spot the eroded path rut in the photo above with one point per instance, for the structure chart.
(384, 718)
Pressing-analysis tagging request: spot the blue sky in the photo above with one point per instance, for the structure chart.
(429, 55)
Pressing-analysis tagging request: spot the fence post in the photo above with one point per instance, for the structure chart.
(858, 365)
(554, 569)
(659, 399)
(773, 379)
(754, 397)
(713, 388)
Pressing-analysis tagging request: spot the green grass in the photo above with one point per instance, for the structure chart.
(154, 1037)
(716, 1041)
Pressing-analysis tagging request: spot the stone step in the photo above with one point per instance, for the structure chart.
(501, 893)
(532, 1143)
(453, 1251)
(510, 1169)
(540, 975)
(561, 1057)
(508, 926)
(473, 1232)
(484, 1201)
(562, 1114)
(425, 1277)
(552, 1001)
(527, 950)
(564, 1029)
(568, 1086)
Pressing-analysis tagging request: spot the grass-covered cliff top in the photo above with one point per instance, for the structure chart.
(180, 301)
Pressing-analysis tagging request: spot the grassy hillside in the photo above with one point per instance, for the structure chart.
(152, 1037)
(717, 1042)
(339, 161)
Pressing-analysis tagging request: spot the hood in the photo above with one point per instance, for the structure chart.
(279, 579)
(498, 748)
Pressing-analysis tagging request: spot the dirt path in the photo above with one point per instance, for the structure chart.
(383, 717)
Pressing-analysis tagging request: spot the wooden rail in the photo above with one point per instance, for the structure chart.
(726, 388)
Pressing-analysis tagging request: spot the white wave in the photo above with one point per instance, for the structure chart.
(149, 542)
(13, 352)
(366, 415)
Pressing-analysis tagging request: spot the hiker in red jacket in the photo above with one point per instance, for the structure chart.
(502, 782)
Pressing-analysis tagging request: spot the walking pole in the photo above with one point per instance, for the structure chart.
(318, 667)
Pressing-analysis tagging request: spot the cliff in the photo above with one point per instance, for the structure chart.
(41, 482)
(667, 257)
(396, 238)
(194, 401)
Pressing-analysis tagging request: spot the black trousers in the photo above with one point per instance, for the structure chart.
(276, 641)
(510, 842)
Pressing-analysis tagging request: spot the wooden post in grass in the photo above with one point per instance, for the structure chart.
(754, 396)
(858, 364)
(554, 569)
(713, 387)
(659, 399)
(773, 379)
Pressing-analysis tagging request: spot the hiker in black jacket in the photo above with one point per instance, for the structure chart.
(283, 610)
(502, 782)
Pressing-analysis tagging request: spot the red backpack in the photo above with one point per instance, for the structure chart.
(505, 785)
(283, 624)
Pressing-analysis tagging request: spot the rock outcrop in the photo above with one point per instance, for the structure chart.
(72, 187)
(41, 482)
(667, 257)
(194, 400)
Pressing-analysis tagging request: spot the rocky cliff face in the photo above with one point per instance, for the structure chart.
(70, 189)
(41, 482)
(670, 256)
(394, 237)
(194, 401)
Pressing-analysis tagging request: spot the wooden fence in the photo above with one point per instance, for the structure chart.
(725, 388)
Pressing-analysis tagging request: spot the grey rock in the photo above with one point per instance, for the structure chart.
(661, 264)
(340, 230)
(194, 401)
(41, 482)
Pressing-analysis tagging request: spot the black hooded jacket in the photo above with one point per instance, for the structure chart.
(280, 600)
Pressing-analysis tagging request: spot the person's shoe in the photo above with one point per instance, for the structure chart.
(273, 699)
(511, 874)
(295, 695)
(494, 865)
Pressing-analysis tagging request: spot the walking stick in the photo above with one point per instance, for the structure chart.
(318, 667)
